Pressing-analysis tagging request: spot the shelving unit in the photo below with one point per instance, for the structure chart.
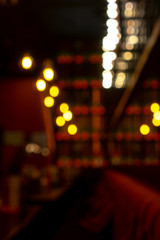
(82, 92)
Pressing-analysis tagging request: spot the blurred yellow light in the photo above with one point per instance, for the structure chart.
(122, 65)
(41, 85)
(127, 56)
(106, 84)
(112, 31)
(72, 129)
(109, 43)
(54, 91)
(33, 148)
(27, 62)
(60, 121)
(133, 39)
(129, 5)
(144, 129)
(132, 30)
(107, 65)
(112, 23)
(48, 101)
(120, 80)
(157, 115)
(121, 76)
(107, 75)
(112, 13)
(129, 46)
(131, 23)
(48, 74)
(64, 107)
(67, 115)
(156, 122)
(154, 107)
(111, 56)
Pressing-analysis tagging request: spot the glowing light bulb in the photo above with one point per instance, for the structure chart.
(48, 101)
(154, 107)
(112, 23)
(27, 62)
(54, 91)
(107, 79)
(41, 85)
(128, 56)
(67, 115)
(144, 129)
(157, 115)
(60, 121)
(64, 107)
(72, 129)
(156, 122)
(48, 74)
(110, 56)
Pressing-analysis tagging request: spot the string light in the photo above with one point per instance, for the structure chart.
(27, 62)
(144, 129)
(60, 121)
(48, 101)
(64, 107)
(72, 129)
(54, 91)
(41, 85)
(48, 74)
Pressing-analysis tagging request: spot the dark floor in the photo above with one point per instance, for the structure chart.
(61, 219)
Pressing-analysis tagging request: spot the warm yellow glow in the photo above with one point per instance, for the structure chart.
(112, 10)
(129, 5)
(60, 121)
(67, 115)
(41, 85)
(106, 84)
(144, 129)
(112, 13)
(129, 13)
(112, 23)
(112, 5)
(48, 74)
(107, 79)
(129, 46)
(109, 43)
(157, 115)
(128, 56)
(131, 23)
(132, 30)
(54, 91)
(111, 56)
(107, 65)
(122, 65)
(33, 148)
(155, 122)
(64, 107)
(133, 39)
(107, 75)
(48, 101)
(27, 62)
(154, 107)
(72, 129)
(112, 31)
(120, 80)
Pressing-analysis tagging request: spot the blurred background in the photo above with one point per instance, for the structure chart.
(79, 88)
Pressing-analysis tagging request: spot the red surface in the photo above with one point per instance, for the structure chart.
(20, 106)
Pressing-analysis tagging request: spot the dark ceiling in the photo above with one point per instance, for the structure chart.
(43, 27)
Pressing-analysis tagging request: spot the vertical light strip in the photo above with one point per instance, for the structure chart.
(110, 42)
